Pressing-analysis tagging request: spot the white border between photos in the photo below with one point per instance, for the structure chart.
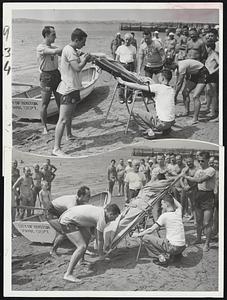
(7, 152)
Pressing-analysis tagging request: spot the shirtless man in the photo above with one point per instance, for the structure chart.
(195, 47)
(182, 44)
(76, 223)
(170, 46)
(59, 205)
(189, 188)
(50, 77)
(196, 75)
(52, 168)
(47, 175)
(25, 184)
(112, 175)
(120, 177)
(37, 178)
(15, 194)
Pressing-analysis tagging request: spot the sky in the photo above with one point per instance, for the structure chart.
(140, 15)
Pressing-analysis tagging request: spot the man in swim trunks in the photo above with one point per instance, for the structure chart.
(152, 55)
(60, 205)
(37, 177)
(25, 184)
(72, 62)
(52, 168)
(204, 200)
(15, 194)
(50, 77)
(76, 223)
(47, 175)
(120, 177)
(196, 75)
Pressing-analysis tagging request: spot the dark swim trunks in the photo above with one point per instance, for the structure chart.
(49, 80)
(204, 200)
(200, 77)
(71, 98)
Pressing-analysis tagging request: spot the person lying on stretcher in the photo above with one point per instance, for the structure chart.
(164, 116)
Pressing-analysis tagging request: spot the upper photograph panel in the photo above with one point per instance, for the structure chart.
(86, 81)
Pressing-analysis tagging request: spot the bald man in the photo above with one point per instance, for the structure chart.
(126, 55)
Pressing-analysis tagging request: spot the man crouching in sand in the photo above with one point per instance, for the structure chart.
(76, 223)
(172, 246)
(164, 117)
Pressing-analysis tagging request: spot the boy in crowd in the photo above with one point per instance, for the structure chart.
(172, 246)
(204, 199)
(121, 177)
(112, 175)
(164, 116)
(76, 223)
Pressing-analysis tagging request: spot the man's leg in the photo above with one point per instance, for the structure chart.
(78, 240)
(57, 241)
(57, 97)
(189, 86)
(154, 245)
(64, 118)
(43, 113)
(199, 225)
(207, 222)
(144, 119)
(196, 97)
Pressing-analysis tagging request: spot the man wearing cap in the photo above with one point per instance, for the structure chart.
(116, 42)
(134, 181)
(129, 167)
(25, 183)
(152, 55)
(170, 46)
(126, 55)
(156, 37)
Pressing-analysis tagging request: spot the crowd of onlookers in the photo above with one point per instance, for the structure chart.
(197, 190)
(32, 188)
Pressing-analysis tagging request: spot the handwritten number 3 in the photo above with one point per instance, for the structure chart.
(7, 52)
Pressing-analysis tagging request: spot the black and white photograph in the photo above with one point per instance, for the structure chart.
(113, 149)
(142, 250)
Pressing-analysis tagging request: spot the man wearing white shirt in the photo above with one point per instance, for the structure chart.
(126, 55)
(172, 246)
(71, 65)
(164, 116)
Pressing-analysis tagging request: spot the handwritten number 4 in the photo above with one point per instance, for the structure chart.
(7, 67)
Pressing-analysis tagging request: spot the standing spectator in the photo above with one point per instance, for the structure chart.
(189, 189)
(182, 44)
(25, 184)
(16, 192)
(133, 41)
(47, 175)
(112, 175)
(51, 167)
(196, 48)
(170, 46)
(126, 55)
(152, 55)
(129, 167)
(216, 198)
(149, 169)
(156, 37)
(37, 178)
(212, 64)
(50, 77)
(205, 177)
(177, 189)
(45, 195)
(172, 165)
(121, 177)
(116, 42)
(134, 181)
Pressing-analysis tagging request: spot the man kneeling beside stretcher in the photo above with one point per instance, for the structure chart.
(164, 105)
(172, 246)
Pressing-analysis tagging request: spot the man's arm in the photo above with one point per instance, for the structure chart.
(197, 180)
(179, 84)
(78, 66)
(132, 85)
(52, 51)
(17, 183)
(53, 168)
(140, 61)
(154, 227)
(126, 188)
(52, 176)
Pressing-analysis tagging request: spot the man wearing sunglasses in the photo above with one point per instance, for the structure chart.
(204, 199)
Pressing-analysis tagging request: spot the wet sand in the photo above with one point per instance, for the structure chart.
(95, 136)
(33, 269)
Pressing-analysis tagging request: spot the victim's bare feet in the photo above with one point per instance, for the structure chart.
(71, 278)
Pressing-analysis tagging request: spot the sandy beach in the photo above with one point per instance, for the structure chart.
(95, 136)
(33, 269)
